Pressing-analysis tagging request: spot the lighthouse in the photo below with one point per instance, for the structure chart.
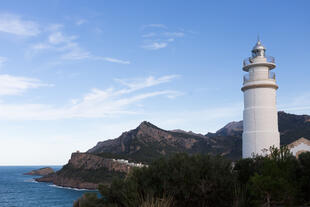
(260, 117)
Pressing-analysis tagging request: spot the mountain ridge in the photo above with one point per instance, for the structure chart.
(226, 141)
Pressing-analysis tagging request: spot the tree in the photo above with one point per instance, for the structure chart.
(304, 179)
(274, 182)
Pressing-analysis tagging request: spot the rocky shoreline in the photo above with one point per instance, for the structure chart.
(67, 182)
(87, 171)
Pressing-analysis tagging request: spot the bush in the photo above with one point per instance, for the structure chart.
(198, 180)
(278, 179)
(304, 192)
(269, 180)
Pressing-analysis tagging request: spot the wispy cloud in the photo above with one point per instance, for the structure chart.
(112, 60)
(174, 34)
(136, 84)
(2, 61)
(162, 26)
(54, 27)
(13, 24)
(155, 45)
(68, 47)
(76, 54)
(80, 22)
(147, 35)
(40, 46)
(14, 85)
(57, 37)
(156, 36)
(95, 104)
(298, 104)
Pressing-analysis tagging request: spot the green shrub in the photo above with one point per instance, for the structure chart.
(198, 180)
(278, 179)
(304, 191)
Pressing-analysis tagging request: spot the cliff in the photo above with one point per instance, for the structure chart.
(87, 171)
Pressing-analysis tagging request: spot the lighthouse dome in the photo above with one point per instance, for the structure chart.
(258, 46)
(258, 50)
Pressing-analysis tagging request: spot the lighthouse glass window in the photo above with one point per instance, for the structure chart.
(258, 53)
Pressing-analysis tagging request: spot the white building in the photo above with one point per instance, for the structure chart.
(299, 146)
(126, 162)
(260, 117)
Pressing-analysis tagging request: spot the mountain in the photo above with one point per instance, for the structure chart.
(291, 128)
(231, 129)
(148, 142)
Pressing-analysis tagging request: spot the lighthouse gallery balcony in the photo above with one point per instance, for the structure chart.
(271, 76)
(249, 60)
(267, 60)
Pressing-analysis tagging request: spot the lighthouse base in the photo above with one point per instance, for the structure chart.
(259, 142)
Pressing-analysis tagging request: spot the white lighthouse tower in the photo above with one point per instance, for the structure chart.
(260, 116)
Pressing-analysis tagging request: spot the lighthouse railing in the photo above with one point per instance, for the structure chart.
(246, 78)
(249, 60)
(271, 76)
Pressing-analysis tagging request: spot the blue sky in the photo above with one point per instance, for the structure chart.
(73, 73)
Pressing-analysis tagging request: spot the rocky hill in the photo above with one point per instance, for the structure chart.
(231, 129)
(148, 142)
(292, 127)
(87, 171)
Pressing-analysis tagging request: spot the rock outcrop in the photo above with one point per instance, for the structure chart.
(88, 161)
(42, 171)
(86, 171)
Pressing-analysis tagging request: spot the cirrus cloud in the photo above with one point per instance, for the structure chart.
(156, 36)
(68, 47)
(14, 85)
(13, 24)
(97, 103)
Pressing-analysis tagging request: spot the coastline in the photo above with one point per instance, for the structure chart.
(67, 182)
(69, 188)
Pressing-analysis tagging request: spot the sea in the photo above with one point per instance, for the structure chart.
(18, 190)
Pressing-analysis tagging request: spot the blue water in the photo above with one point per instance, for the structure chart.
(18, 190)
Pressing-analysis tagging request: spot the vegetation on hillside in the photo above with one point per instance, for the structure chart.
(101, 175)
(203, 180)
